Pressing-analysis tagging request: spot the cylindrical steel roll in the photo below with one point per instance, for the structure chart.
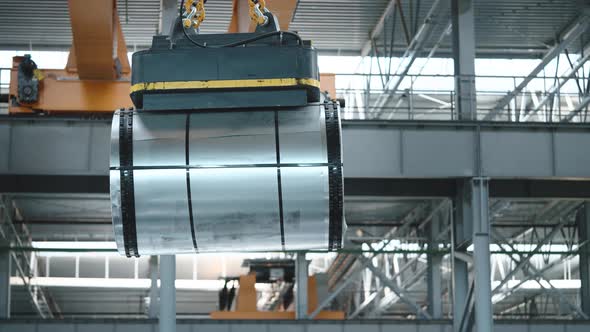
(227, 181)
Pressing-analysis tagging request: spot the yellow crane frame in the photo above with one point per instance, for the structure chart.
(97, 75)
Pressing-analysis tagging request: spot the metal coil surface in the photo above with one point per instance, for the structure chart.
(255, 180)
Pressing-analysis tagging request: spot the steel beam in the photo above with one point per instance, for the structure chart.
(501, 150)
(338, 289)
(98, 46)
(395, 288)
(387, 302)
(581, 106)
(365, 304)
(167, 321)
(331, 296)
(463, 32)
(559, 84)
(583, 220)
(169, 11)
(399, 150)
(559, 325)
(571, 35)
(535, 274)
(546, 268)
(523, 262)
(432, 20)
(407, 221)
(406, 285)
(354, 186)
(5, 268)
(438, 188)
(301, 275)
(378, 29)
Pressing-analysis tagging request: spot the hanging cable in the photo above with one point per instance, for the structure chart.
(238, 43)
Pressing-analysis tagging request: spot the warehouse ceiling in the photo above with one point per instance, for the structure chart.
(503, 27)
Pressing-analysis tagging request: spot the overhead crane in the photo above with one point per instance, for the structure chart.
(96, 78)
(222, 142)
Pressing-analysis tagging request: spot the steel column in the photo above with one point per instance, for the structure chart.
(167, 293)
(583, 220)
(433, 274)
(460, 238)
(471, 223)
(153, 271)
(481, 255)
(5, 266)
(301, 275)
(463, 28)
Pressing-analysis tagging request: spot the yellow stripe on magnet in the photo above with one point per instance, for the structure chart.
(225, 84)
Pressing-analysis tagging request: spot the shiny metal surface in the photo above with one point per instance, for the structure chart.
(115, 188)
(305, 206)
(225, 170)
(114, 157)
(236, 209)
(236, 138)
(303, 137)
(157, 140)
(161, 210)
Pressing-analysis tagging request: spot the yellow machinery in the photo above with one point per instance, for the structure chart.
(97, 76)
(246, 304)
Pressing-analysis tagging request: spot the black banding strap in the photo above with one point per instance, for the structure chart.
(334, 177)
(279, 182)
(188, 181)
(127, 184)
(266, 165)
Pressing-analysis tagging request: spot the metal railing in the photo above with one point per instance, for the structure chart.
(25, 262)
(433, 97)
